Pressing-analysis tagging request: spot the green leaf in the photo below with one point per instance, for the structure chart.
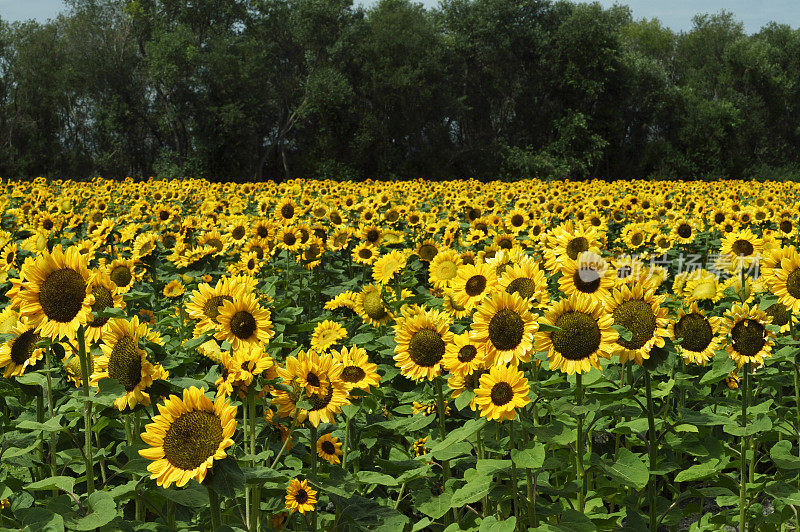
(66, 484)
(624, 334)
(464, 399)
(784, 492)
(468, 429)
(110, 312)
(472, 491)
(529, 458)
(195, 342)
(781, 455)
(51, 425)
(760, 424)
(492, 524)
(373, 477)
(226, 477)
(546, 327)
(101, 511)
(32, 379)
(721, 368)
(40, 519)
(628, 469)
(700, 471)
(190, 496)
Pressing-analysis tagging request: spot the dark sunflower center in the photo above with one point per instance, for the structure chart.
(586, 280)
(289, 239)
(636, 316)
(506, 329)
(287, 211)
(61, 295)
(373, 305)
(684, 230)
(523, 286)
(238, 232)
(695, 331)
(102, 300)
(353, 374)
(211, 307)
(475, 285)
(793, 284)
(779, 313)
(163, 215)
(373, 235)
(577, 246)
(125, 363)
(785, 226)
(719, 217)
(501, 394)
(251, 264)
(742, 247)
(23, 347)
(192, 438)
(748, 337)
(312, 379)
(121, 275)
(364, 253)
(169, 241)
(467, 353)
(427, 252)
(328, 447)
(262, 231)
(243, 324)
(426, 348)
(517, 220)
(301, 497)
(579, 338)
(637, 239)
(216, 243)
(318, 402)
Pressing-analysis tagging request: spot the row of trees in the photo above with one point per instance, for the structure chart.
(247, 89)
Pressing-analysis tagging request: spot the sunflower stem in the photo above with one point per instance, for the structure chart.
(314, 466)
(346, 443)
(255, 517)
(743, 457)
(53, 435)
(514, 481)
(485, 508)
(247, 488)
(579, 446)
(87, 411)
(40, 439)
(442, 434)
(213, 502)
(652, 447)
(288, 438)
(530, 500)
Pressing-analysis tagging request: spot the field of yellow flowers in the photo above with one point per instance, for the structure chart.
(398, 356)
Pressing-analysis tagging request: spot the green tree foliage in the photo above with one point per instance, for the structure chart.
(254, 89)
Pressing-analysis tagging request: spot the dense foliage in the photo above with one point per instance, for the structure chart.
(331, 355)
(248, 89)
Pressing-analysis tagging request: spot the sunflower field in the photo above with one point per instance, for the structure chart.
(399, 356)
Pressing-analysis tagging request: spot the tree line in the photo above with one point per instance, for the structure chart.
(256, 89)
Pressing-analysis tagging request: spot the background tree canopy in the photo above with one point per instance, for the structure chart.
(252, 89)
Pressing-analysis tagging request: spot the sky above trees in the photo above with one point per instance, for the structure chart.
(675, 14)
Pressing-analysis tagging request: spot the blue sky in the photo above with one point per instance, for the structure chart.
(677, 14)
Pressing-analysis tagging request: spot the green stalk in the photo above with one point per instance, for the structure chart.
(797, 411)
(213, 502)
(40, 439)
(53, 435)
(485, 508)
(255, 516)
(314, 466)
(652, 445)
(743, 458)
(531, 505)
(440, 404)
(513, 472)
(247, 488)
(579, 448)
(346, 443)
(87, 411)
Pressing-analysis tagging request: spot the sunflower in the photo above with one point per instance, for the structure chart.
(443, 268)
(501, 392)
(20, 352)
(329, 448)
(452, 306)
(527, 280)
(365, 253)
(702, 285)
(122, 273)
(781, 316)
(684, 231)
(639, 310)
(570, 239)
(357, 370)
(72, 367)
(243, 322)
(173, 289)
(696, 336)
(387, 266)
(318, 378)
(749, 339)
(289, 238)
(590, 274)
(106, 295)
(124, 361)
(785, 282)
(473, 283)
(247, 363)
(504, 329)
(286, 211)
(421, 344)
(369, 305)
(205, 304)
(463, 355)
(326, 334)
(187, 436)
(300, 497)
(585, 335)
(742, 246)
(57, 293)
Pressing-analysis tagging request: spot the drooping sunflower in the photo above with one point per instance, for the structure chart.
(329, 448)
(20, 352)
(473, 283)
(785, 282)
(357, 370)
(697, 336)
(187, 436)
(503, 327)
(370, 306)
(639, 310)
(300, 497)
(527, 280)
(463, 355)
(590, 274)
(749, 340)
(781, 316)
(106, 295)
(586, 335)
(702, 285)
(326, 334)
(501, 392)
(243, 322)
(126, 362)
(388, 265)
(57, 293)
(421, 344)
